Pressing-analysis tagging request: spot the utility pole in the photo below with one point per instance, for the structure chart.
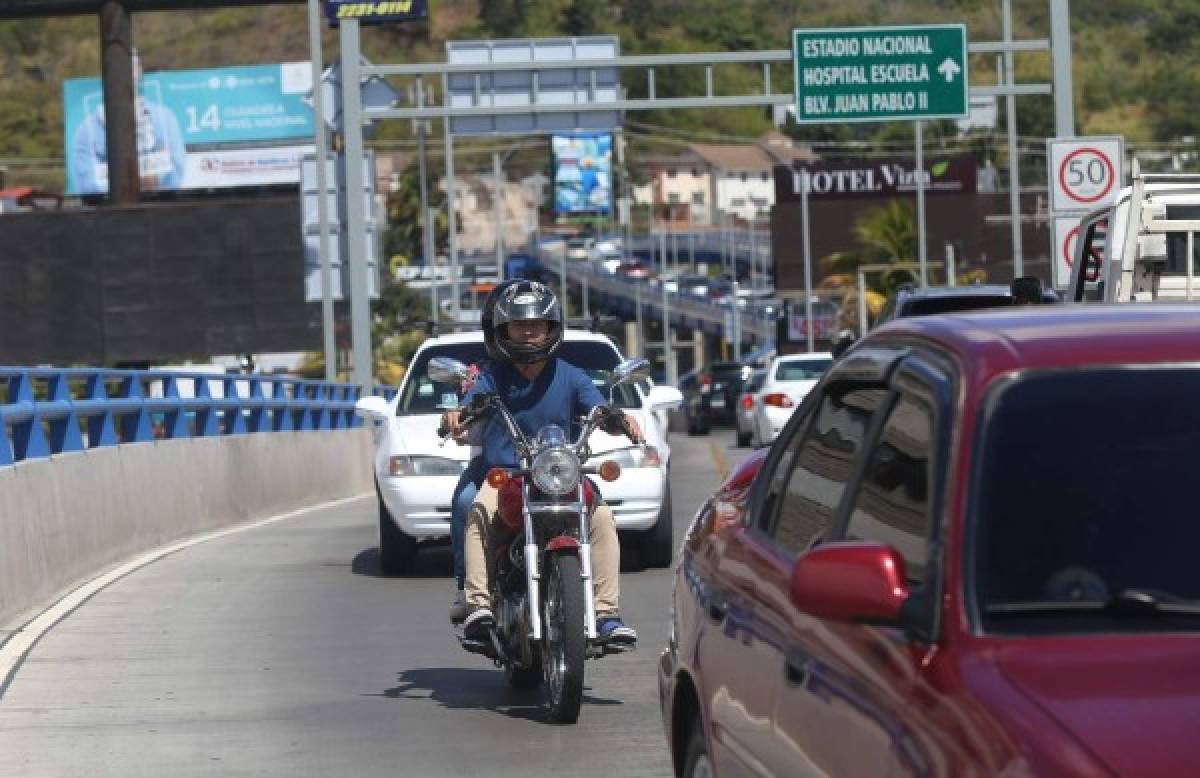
(499, 210)
(808, 318)
(668, 346)
(922, 257)
(1014, 173)
(356, 246)
(318, 66)
(120, 100)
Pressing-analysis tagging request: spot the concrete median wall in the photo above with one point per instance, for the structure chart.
(67, 518)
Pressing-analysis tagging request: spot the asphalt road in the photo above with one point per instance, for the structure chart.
(281, 650)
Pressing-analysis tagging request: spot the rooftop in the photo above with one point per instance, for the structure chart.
(1000, 340)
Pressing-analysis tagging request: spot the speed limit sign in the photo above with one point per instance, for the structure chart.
(1085, 173)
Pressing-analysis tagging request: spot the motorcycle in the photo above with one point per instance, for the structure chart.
(545, 615)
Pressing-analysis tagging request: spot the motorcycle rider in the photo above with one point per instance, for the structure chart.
(524, 331)
(471, 478)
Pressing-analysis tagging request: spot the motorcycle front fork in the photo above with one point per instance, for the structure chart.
(533, 571)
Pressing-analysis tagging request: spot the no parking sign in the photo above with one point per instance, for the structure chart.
(1085, 173)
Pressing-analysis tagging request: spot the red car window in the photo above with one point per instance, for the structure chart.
(892, 505)
(825, 462)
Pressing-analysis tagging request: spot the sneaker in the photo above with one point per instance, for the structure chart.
(612, 629)
(478, 624)
(458, 607)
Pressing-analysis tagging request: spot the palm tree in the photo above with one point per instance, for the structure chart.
(889, 232)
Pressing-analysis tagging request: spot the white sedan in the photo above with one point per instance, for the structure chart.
(416, 472)
(789, 379)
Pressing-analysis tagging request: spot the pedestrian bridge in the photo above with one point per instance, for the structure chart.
(99, 465)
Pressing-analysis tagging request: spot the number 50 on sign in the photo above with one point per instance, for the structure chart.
(1085, 173)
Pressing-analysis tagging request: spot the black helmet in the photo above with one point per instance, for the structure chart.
(521, 301)
(485, 318)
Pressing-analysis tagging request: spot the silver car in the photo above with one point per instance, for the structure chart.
(747, 406)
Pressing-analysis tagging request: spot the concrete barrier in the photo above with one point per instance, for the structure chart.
(69, 517)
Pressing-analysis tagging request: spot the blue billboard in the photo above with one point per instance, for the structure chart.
(582, 173)
(188, 121)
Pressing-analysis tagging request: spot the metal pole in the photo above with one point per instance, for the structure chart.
(356, 217)
(808, 317)
(922, 259)
(431, 262)
(451, 216)
(862, 303)
(1060, 56)
(120, 100)
(668, 346)
(1014, 175)
(637, 297)
(674, 249)
(583, 279)
(737, 323)
(322, 139)
(662, 252)
(950, 281)
(562, 269)
(499, 209)
(626, 191)
(692, 248)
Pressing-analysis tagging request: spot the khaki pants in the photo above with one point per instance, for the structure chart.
(483, 526)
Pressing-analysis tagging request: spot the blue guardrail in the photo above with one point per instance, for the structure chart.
(46, 411)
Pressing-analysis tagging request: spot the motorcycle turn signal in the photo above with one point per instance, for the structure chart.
(497, 478)
(609, 470)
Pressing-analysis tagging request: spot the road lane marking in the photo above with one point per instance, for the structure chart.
(22, 640)
(718, 458)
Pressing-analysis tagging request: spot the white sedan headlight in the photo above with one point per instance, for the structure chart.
(634, 456)
(404, 466)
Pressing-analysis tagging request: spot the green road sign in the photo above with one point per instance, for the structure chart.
(878, 74)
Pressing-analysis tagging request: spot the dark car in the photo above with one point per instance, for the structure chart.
(711, 395)
(913, 301)
(696, 387)
(970, 552)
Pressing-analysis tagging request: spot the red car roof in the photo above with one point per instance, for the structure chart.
(992, 342)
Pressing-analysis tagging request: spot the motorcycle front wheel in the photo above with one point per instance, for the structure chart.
(565, 638)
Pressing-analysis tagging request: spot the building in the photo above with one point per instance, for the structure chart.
(475, 210)
(710, 182)
(678, 188)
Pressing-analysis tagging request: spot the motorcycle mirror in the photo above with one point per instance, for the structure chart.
(446, 370)
(631, 370)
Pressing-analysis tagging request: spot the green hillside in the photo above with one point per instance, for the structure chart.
(1135, 61)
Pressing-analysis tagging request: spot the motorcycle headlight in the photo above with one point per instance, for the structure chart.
(405, 466)
(555, 471)
(635, 456)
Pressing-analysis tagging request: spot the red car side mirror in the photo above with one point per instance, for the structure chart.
(854, 582)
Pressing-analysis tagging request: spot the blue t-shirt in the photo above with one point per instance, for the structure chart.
(560, 394)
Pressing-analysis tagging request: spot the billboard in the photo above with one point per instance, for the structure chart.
(188, 124)
(379, 12)
(582, 173)
(849, 178)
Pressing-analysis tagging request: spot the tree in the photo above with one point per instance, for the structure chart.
(405, 233)
(889, 233)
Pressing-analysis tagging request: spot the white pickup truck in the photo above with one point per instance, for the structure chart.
(1137, 249)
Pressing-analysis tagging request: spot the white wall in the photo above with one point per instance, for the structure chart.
(732, 190)
(67, 518)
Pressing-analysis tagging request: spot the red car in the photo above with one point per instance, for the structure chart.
(972, 551)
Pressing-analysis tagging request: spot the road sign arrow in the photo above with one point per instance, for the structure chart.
(949, 68)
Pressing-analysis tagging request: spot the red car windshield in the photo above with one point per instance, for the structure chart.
(1085, 503)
